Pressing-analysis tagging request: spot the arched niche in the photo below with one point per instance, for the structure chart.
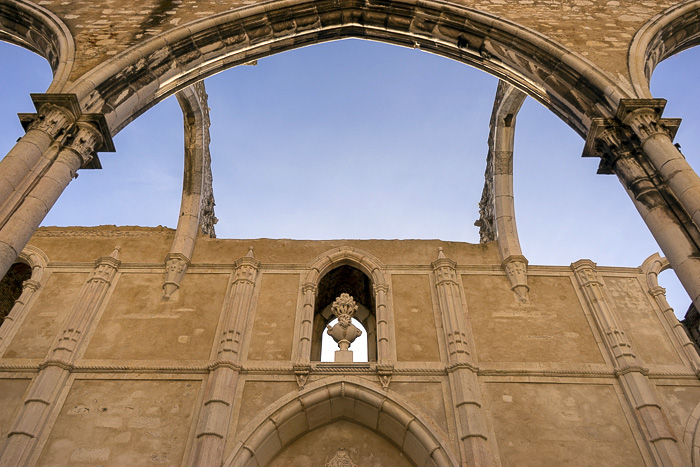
(362, 446)
(331, 400)
(345, 279)
(365, 264)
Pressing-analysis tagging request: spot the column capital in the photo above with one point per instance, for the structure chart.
(643, 117)
(609, 140)
(60, 115)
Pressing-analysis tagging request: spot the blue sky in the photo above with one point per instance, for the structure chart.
(355, 139)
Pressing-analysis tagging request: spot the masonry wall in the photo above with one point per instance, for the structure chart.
(548, 386)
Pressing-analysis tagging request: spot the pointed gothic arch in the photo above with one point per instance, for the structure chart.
(35, 28)
(340, 398)
(136, 79)
(664, 35)
(368, 265)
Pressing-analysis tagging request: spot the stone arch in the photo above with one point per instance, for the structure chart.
(340, 398)
(368, 265)
(691, 436)
(35, 28)
(131, 82)
(664, 35)
(37, 260)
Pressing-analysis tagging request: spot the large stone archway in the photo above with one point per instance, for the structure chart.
(340, 398)
(138, 78)
(35, 28)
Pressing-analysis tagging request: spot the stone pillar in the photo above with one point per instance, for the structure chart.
(27, 160)
(635, 384)
(60, 139)
(29, 287)
(22, 223)
(215, 416)
(616, 148)
(643, 117)
(55, 370)
(471, 424)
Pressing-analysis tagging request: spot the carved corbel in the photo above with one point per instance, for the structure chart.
(385, 372)
(301, 373)
(515, 267)
(176, 265)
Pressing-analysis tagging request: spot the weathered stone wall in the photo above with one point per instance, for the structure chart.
(136, 390)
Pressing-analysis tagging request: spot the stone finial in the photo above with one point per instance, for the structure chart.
(344, 332)
(115, 253)
(250, 252)
(441, 255)
(341, 459)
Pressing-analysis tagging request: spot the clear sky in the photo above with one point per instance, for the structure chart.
(355, 139)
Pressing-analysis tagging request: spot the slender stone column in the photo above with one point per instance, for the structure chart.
(26, 161)
(22, 223)
(383, 354)
(471, 425)
(28, 288)
(630, 371)
(615, 146)
(215, 417)
(307, 320)
(45, 389)
(643, 117)
(652, 266)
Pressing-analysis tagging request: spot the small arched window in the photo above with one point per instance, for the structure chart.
(11, 287)
(344, 280)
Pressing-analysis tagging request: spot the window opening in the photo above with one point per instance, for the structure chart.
(353, 282)
(11, 287)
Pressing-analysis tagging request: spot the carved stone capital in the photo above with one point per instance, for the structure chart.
(52, 119)
(85, 142)
(176, 265)
(60, 116)
(309, 287)
(31, 284)
(380, 288)
(515, 267)
(643, 117)
(585, 271)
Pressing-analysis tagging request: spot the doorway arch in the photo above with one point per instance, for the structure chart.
(340, 398)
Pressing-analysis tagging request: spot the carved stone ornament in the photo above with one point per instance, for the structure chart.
(341, 459)
(344, 332)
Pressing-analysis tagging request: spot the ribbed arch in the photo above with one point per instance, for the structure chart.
(666, 34)
(340, 398)
(138, 78)
(35, 28)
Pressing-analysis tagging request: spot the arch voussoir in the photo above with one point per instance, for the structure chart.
(143, 75)
(334, 399)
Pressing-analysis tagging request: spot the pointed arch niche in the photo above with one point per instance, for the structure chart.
(344, 279)
(344, 270)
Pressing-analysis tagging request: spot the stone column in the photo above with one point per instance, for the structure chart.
(307, 320)
(471, 425)
(215, 416)
(29, 287)
(22, 223)
(55, 370)
(635, 384)
(617, 150)
(643, 117)
(26, 161)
